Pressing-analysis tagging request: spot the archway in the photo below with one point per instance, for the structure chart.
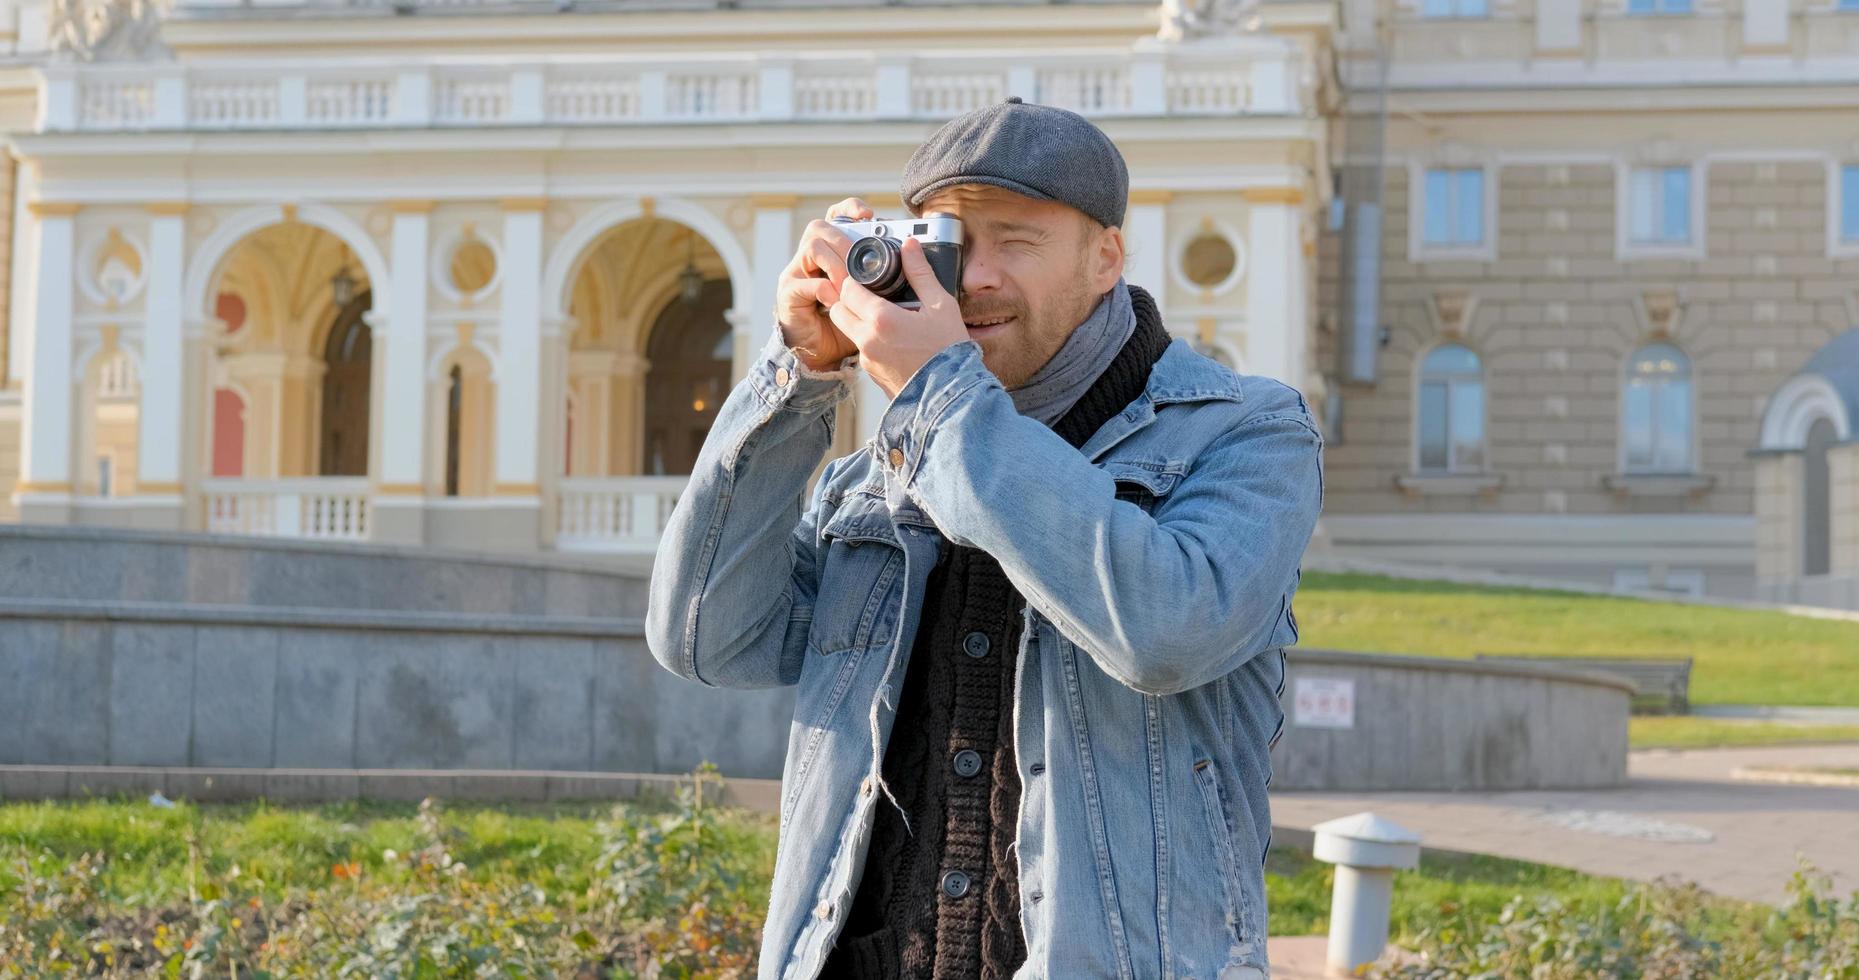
(291, 303)
(649, 306)
(688, 350)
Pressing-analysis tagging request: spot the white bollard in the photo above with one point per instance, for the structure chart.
(1366, 851)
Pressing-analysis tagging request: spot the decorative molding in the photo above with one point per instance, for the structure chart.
(42, 486)
(288, 212)
(411, 206)
(1150, 196)
(523, 203)
(516, 490)
(1452, 311)
(774, 201)
(400, 490)
(1272, 195)
(53, 209)
(1662, 311)
(168, 208)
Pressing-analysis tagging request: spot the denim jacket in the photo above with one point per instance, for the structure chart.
(1158, 564)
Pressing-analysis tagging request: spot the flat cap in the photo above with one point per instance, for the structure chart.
(1041, 151)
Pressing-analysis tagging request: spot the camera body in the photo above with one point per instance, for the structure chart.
(876, 260)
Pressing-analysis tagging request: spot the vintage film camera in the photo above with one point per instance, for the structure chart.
(877, 263)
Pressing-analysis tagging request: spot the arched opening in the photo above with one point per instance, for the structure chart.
(348, 360)
(464, 423)
(108, 424)
(291, 301)
(1450, 411)
(1817, 499)
(689, 351)
(1655, 412)
(650, 356)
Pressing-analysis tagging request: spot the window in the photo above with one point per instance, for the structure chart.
(1849, 6)
(1454, 215)
(1849, 196)
(1451, 432)
(1817, 499)
(1656, 7)
(1659, 203)
(1655, 414)
(1455, 8)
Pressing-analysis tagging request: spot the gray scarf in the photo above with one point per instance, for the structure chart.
(1055, 388)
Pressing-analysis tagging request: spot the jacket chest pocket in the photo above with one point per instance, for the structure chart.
(1144, 482)
(858, 581)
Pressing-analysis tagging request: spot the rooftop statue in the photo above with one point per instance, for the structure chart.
(1187, 20)
(105, 30)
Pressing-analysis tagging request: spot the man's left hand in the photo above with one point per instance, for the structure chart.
(894, 342)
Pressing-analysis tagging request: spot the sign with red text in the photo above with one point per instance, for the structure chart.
(1324, 702)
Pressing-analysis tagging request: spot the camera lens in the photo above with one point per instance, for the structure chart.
(875, 264)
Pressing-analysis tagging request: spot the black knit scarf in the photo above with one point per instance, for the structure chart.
(950, 761)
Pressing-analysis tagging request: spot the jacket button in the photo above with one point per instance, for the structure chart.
(955, 884)
(897, 458)
(824, 910)
(976, 645)
(782, 377)
(864, 786)
(967, 762)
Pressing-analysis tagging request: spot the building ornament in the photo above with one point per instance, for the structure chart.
(1189, 20)
(1662, 312)
(106, 30)
(1452, 312)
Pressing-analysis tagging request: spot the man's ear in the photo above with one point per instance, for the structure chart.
(1107, 259)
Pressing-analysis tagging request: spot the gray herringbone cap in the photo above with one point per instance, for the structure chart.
(1040, 151)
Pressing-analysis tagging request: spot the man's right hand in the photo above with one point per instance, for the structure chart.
(810, 286)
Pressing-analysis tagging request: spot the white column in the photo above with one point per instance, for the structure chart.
(1145, 235)
(519, 351)
(1277, 318)
(160, 425)
(1558, 28)
(774, 244)
(403, 403)
(45, 427)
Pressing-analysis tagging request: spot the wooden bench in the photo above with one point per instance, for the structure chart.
(1661, 685)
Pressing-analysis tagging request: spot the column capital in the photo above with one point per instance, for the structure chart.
(1272, 195)
(53, 209)
(168, 209)
(1151, 197)
(766, 202)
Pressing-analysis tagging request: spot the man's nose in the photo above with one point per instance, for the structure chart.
(978, 275)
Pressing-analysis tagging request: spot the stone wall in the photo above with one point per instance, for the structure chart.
(1422, 723)
(164, 650)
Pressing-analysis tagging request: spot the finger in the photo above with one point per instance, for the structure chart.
(921, 276)
(851, 207)
(867, 304)
(855, 328)
(826, 259)
(801, 291)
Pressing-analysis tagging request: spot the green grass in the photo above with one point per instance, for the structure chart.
(1681, 732)
(1444, 885)
(286, 851)
(1740, 656)
(278, 849)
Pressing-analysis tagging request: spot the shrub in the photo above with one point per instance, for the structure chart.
(1657, 932)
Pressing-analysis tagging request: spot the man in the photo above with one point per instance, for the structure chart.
(1036, 624)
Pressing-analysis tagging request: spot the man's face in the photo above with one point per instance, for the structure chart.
(1031, 272)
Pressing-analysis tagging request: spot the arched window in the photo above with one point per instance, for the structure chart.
(1817, 500)
(1655, 412)
(1451, 430)
(454, 425)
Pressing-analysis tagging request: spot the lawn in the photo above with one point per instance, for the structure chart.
(1690, 732)
(292, 890)
(1741, 656)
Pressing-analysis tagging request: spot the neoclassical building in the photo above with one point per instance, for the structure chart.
(477, 275)
(1571, 282)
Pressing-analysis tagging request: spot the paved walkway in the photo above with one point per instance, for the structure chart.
(1682, 814)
